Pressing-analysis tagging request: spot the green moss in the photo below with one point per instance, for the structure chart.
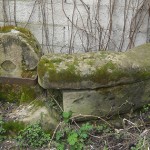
(108, 72)
(17, 94)
(27, 94)
(69, 74)
(28, 73)
(5, 29)
(27, 35)
(43, 65)
(143, 75)
(38, 103)
(115, 67)
(57, 60)
(32, 42)
(13, 127)
(9, 93)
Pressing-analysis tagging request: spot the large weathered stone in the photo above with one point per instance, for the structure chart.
(94, 70)
(19, 55)
(19, 52)
(107, 101)
(36, 112)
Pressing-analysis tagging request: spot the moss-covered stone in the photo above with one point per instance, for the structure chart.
(12, 127)
(107, 102)
(19, 94)
(26, 34)
(94, 70)
(20, 52)
(37, 111)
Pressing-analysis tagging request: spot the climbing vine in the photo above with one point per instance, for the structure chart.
(89, 27)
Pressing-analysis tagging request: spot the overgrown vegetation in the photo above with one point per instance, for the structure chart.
(72, 135)
(146, 108)
(2, 130)
(33, 136)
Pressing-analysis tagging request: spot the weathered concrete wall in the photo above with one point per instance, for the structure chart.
(93, 25)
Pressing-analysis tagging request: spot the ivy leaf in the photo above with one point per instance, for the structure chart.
(59, 135)
(84, 135)
(86, 127)
(66, 116)
(72, 138)
(60, 146)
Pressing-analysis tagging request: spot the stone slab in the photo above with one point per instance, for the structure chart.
(20, 52)
(94, 70)
(107, 101)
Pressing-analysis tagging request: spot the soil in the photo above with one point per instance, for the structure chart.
(133, 133)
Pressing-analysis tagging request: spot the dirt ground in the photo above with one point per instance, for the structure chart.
(132, 134)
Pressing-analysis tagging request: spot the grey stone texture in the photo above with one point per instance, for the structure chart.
(104, 83)
(36, 112)
(106, 102)
(20, 52)
(94, 70)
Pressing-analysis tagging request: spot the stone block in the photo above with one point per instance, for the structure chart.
(20, 53)
(94, 70)
(106, 102)
(36, 111)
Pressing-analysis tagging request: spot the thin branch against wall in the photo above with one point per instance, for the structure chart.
(15, 20)
(72, 28)
(45, 27)
(148, 25)
(126, 13)
(136, 23)
(31, 13)
(53, 24)
(111, 11)
(5, 16)
(88, 29)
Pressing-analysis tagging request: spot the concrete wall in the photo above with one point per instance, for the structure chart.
(80, 25)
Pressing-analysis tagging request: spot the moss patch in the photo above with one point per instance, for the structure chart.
(99, 69)
(27, 95)
(26, 34)
(13, 127)
(10, 93)
(17, 94)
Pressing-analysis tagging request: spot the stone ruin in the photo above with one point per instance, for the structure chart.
(103, 83)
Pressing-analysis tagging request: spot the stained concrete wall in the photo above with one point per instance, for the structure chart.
(50, 23)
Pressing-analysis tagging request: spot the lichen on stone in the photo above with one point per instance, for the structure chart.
(93, 70)
(19, 50)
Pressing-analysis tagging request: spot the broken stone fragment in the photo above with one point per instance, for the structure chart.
(103, 83)
(36, 112)
(20, 52)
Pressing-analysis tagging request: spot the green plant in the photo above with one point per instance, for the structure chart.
(73, 138)
(146, 108)
(33, 136)
(103, 128)
(13, 127)
(139, 146)
(2, 130)
(66, 116)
